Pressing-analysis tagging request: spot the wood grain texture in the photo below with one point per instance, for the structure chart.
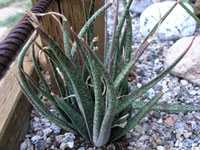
(50, 25)
(100, 30)
(14, 108)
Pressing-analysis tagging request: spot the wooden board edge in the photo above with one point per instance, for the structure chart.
(15, 109)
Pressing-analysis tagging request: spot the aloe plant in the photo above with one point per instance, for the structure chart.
(95, 99)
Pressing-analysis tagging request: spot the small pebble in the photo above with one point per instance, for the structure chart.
(130, 148)
(184, 82)
(159, 141)
(37, 126)
(40, 145)
(193, 92)
(187, 134)
(158, 87)
(35, 138)
(180, 131)
(56, 129)
(154, 144)
(138, 128)
(69, 137)
(47, 131)
(179, 125)
(47, 125)
(160, 121)
(36, 119)
(63, 146)
(170, 121)
(81, 148)
(59, 138)
(178, 136)
(143, 138)
(160, 148)
(70, 144)
(150, 94)
(173, 137)
(48, 140)
(23, 146)
(139, 85)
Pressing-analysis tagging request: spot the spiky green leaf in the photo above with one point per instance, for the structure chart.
(118, 132)
(167, 107)
(76, 118)
(81, 91)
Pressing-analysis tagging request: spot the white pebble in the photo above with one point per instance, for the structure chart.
(70, 144)
(44, 120)
(184, 82)
(180, 130)
(30, 148)
(193, 92)
(37, 126)
(81, 148)
(46, 125)
(164, 82)
(53, 147)
(139, 85)
(35, 138)
(48, 140)
(63, 146)
(56, 129)
(156, 61)
(160, 148)
(187, 134)
(59, 138)
(36, 119)
(143, 138)
(69, 136)
(195, 146)
(23, 146)
(160, 121)
(177, 90)
(171, 42)
(177, 143)
(47, 131)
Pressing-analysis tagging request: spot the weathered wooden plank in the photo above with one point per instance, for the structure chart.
(14, 108)
(100, 29)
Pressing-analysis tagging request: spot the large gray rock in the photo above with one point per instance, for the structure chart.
(189, 67)
(177, 25)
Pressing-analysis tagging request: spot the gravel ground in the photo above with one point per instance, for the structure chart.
(158, 130)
